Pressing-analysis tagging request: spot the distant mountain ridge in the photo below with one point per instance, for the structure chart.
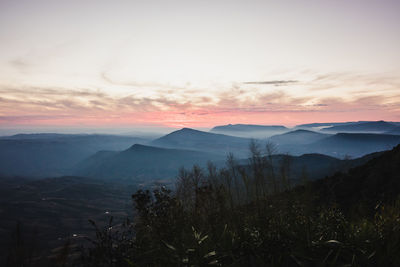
(142, 163)
(44, 155)
(313, 165)
(297, 137)
(375, 126)
(337, 145)
(191, 139)
(354, 144)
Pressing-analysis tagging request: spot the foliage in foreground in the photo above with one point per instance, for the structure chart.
(246, 216)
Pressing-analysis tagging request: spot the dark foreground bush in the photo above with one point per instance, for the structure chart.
(247, 217)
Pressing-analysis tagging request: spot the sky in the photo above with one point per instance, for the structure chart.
(174, 63)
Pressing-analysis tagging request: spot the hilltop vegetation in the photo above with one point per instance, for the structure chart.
(235, 218)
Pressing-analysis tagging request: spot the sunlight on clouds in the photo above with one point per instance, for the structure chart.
(197, 63)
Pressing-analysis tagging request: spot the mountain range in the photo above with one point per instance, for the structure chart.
(47, 155)
(41, 155)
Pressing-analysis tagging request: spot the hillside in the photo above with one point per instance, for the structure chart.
(354, 144)
(45, 155)
(377, 181)
(312, 166)
(203, 141)
(142, 163)
(297, 137)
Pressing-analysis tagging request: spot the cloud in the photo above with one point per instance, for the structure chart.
(275, 83)
(106, 77)
(353, 82)
(27, 104)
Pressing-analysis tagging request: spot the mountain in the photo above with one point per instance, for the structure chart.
(314, 166)
(203, 141)
(142, 163)
(353, 144)
(49, 155)
(372, 183)
(371, 127)
(249, 130)
(297, 137)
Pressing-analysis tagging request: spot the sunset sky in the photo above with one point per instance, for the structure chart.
(167, 63)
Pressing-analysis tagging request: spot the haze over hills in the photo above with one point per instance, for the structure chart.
(371, 127)
(142, 163)
(395, 131)
(354, 144)
(338, 145)
(41, 155)
(204, 141)
(249, 130)
(325, 125)
(297, 137)
(322, 124)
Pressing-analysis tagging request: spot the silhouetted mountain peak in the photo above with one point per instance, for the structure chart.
(188, 132)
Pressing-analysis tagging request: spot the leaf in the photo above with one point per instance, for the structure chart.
(202, 239)
(210, 254)
(372, 254)
(333, 242)
(169, 246)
